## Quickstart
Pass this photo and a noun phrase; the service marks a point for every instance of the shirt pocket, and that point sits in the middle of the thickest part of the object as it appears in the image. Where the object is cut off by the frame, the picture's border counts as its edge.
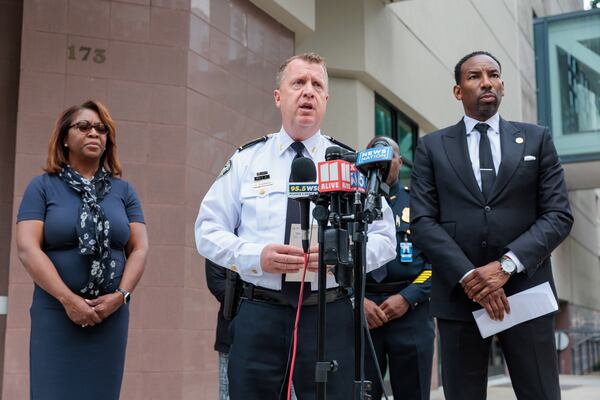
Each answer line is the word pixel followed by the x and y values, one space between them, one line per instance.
pixel 264 207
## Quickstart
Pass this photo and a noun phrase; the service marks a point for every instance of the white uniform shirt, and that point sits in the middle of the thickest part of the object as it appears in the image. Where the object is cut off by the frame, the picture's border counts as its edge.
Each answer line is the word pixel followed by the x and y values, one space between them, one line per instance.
pixel 257 209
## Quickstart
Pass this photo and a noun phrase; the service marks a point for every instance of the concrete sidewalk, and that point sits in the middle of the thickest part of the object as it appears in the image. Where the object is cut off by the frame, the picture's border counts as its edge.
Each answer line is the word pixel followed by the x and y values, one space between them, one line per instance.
pixel 573 387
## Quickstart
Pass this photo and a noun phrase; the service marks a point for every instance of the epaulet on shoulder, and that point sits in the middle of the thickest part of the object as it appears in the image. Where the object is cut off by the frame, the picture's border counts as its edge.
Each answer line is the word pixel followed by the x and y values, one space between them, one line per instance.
pixel 254 141
pixel 345 146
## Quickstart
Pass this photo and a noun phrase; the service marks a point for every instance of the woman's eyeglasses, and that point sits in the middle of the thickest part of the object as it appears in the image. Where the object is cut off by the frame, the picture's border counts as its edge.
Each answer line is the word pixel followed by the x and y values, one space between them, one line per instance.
pixel 86 126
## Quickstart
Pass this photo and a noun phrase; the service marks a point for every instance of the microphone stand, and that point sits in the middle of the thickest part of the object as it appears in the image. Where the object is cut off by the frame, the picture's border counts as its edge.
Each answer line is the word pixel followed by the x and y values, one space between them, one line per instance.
pixel 323 367
pixel 358 218
pixel 359 238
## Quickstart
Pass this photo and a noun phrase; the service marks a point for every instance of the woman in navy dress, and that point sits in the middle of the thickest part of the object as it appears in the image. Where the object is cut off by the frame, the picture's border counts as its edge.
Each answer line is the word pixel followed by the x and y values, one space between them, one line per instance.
pixel 82 238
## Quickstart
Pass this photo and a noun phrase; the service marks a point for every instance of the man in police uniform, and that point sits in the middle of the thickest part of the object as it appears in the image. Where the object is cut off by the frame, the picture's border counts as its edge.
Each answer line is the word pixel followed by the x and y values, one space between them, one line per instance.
pixel 249 197
pixel 397 307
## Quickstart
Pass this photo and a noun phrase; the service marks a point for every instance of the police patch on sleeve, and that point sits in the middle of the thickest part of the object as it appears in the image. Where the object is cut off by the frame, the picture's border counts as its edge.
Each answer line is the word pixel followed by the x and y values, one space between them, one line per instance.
pixel 225 169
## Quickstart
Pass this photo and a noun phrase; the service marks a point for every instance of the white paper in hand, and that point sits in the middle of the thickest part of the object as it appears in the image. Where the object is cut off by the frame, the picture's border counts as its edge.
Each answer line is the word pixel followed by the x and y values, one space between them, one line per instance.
pixel 524 306
pixel 296 240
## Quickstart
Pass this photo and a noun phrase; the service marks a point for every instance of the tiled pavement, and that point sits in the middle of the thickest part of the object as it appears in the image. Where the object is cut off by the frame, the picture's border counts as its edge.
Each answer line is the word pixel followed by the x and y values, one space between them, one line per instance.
pixel 574 387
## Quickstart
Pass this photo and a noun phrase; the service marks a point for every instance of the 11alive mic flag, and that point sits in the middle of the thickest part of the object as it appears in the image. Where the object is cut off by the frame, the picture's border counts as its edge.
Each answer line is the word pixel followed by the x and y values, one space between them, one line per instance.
pixel 334 176
pixel 340 176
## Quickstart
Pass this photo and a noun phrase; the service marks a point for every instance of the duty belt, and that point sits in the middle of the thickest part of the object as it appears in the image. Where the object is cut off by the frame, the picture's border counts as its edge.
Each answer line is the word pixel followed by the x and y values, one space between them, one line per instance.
pixel 392 287
pixel 256 293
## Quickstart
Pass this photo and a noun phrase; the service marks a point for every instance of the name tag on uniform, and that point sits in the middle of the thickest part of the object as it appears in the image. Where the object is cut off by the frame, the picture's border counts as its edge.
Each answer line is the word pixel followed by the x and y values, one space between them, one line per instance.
pixel 262 179
pixel 406 252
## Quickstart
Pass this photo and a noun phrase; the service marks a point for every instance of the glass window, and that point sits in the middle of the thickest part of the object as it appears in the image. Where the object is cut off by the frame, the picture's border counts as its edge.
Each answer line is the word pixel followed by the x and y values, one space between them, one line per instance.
pixel 568 69
pixel 391 122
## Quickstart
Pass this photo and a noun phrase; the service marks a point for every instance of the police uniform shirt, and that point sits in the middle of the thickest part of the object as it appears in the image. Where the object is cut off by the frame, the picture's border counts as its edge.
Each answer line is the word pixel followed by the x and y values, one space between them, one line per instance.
pixel 251 195
pixel 418 271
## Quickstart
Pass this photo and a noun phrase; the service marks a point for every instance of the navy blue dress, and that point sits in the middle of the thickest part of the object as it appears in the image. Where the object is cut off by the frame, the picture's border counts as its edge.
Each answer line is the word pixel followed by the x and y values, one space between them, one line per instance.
pixel 66 360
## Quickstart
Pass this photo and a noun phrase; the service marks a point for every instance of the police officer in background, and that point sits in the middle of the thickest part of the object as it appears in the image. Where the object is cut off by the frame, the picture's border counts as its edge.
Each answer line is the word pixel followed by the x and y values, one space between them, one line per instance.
pixel 397 307
pixel 244 224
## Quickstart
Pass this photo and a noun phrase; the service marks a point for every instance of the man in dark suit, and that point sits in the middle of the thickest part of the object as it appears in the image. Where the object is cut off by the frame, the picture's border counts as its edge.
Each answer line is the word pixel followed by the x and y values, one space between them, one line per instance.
pixel 489 204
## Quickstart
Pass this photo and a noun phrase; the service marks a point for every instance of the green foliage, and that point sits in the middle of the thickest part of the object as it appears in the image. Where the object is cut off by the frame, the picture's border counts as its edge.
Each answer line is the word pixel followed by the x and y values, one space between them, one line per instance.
pixel 595 3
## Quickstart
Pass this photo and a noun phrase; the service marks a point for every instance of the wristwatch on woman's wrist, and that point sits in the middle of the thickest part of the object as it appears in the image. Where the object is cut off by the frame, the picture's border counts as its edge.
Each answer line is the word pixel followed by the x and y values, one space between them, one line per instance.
pixel 126 295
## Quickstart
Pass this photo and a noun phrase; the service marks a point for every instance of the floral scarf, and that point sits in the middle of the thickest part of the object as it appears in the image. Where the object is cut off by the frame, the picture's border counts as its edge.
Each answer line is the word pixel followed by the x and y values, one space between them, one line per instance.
pixel 93 228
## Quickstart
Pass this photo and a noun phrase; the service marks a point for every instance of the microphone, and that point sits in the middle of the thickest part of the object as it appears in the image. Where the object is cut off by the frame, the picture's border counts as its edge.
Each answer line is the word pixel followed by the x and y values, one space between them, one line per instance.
pixel 334 173
pixel 335 153
pixel 376 157
pixel 301 187
pixel 357 180
pixel 334 180
pixel 375 163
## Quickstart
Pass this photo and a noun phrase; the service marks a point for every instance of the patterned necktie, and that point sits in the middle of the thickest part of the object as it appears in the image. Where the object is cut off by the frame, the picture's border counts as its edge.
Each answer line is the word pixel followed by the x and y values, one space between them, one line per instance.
pixel 486 162
pixel 291 290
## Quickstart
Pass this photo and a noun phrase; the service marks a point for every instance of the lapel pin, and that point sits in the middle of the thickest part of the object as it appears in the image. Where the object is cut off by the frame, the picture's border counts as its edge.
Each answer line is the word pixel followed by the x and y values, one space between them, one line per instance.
pixel 519 140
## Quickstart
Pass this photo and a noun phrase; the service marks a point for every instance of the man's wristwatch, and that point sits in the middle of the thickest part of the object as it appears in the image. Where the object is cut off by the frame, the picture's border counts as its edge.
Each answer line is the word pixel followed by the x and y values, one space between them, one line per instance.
pixel 508 265
pixel 126 295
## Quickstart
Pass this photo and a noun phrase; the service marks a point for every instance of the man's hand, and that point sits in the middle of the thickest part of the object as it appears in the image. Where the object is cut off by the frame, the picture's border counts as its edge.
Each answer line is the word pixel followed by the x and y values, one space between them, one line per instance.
pixel 284 259
pixel 484 280
pixel 374 314
pixel 106 304
pixel 395 306
pixel 313 260
pixel 496 304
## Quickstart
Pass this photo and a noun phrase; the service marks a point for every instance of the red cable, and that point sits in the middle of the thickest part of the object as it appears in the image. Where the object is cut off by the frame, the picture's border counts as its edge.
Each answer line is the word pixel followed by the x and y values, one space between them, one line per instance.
pixel 295 342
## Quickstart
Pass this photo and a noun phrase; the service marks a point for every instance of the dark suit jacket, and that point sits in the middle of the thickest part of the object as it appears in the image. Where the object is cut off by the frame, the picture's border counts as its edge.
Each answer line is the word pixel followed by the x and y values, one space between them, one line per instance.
pixel 528 211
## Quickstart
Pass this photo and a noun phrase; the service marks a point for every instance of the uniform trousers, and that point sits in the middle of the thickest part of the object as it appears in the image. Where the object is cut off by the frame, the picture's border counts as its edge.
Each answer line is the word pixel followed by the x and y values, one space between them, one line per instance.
pixel 529 349
pixel 406 345
pixel 260 351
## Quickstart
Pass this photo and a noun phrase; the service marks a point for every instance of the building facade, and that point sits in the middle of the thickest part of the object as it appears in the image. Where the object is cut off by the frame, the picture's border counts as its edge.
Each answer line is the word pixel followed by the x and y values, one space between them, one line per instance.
pixel 188 81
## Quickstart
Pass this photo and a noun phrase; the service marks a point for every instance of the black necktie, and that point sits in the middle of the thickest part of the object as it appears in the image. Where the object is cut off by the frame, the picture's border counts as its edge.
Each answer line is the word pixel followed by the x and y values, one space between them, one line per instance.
pixel 486 162
pixel 293 209
pixel 291 290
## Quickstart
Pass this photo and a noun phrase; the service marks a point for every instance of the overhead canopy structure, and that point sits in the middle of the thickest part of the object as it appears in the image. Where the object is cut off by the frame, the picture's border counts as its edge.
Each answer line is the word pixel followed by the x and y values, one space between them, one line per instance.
pixel 568 76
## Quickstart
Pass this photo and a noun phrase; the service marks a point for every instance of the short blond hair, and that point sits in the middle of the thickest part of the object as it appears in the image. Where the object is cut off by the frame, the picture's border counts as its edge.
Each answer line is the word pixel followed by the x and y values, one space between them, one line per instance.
pixel 312 58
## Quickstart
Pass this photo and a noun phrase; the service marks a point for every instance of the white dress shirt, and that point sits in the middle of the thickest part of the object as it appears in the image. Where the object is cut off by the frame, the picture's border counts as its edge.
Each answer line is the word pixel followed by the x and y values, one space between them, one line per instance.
pixel 473 137
pixel 257 209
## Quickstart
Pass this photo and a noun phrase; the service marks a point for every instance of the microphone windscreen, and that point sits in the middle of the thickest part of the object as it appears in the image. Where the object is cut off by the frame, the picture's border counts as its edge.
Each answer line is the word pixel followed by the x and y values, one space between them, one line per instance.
pixel 334 153
pixel 350 157
pixel 303 170
pixel 379 142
